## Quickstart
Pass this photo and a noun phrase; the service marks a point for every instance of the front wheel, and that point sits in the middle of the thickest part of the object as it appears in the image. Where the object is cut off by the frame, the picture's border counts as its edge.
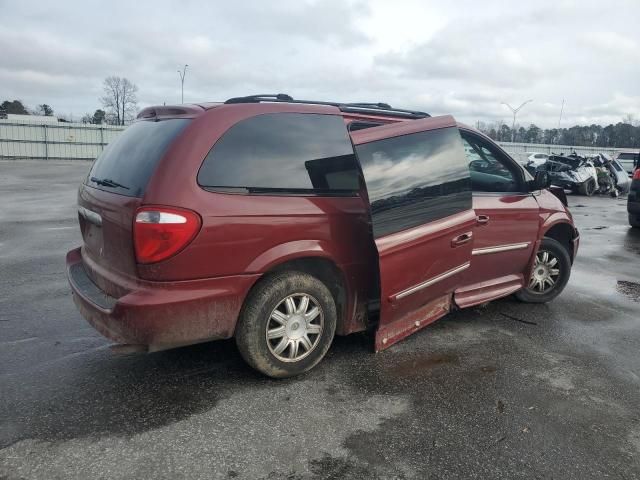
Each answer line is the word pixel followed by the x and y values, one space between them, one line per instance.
pixel 287 324
pixel 550 274
pixel 589 187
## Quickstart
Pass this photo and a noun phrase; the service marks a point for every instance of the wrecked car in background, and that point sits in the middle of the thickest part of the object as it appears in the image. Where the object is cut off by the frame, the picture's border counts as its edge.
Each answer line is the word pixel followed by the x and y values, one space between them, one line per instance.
pixel 584 175
pixel 612 177
pixel 570 172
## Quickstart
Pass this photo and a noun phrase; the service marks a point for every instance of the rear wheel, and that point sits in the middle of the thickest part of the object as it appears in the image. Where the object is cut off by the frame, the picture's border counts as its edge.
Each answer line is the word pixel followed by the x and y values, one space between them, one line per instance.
pixel 287 324
pixel 634 220
pixel 550 273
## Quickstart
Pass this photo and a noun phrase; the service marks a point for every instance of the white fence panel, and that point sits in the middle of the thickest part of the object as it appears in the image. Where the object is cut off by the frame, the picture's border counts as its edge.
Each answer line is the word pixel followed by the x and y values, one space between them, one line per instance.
pixel 47 141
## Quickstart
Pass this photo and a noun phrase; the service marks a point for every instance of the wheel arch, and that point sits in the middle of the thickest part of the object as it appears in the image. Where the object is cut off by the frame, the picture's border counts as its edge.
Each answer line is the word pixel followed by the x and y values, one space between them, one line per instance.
pixel 326 270
pixel 562 232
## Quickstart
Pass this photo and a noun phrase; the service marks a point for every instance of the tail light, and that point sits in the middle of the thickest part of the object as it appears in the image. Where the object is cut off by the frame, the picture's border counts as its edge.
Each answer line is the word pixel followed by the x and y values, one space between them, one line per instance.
pixel 636 174
pixel 160 232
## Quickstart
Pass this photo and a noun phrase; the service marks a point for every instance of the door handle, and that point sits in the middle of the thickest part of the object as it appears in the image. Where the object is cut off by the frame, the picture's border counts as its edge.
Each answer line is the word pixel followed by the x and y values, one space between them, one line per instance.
pixel 482 219
pixel 461 239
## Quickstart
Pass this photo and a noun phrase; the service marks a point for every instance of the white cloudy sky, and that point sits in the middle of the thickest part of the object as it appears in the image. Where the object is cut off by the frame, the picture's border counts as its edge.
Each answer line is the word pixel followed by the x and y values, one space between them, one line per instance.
pixel 461 57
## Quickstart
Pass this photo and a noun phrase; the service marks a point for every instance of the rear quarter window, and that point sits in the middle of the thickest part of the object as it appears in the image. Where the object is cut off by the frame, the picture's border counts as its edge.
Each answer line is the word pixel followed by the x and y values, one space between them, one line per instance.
pixel 286 153
pixel 415 179
pixel 126 165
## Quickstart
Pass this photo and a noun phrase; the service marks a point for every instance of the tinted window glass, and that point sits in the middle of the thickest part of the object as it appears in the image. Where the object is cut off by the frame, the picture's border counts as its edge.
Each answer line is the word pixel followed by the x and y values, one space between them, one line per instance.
pixel 128 162
pixel 358 125
pixel 415 179
pixel 489 173
pixel 286 152
pixel 628 156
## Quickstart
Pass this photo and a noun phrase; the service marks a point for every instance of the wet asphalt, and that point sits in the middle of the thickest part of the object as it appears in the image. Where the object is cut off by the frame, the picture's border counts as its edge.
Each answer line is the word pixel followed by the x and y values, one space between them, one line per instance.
pixel 506 390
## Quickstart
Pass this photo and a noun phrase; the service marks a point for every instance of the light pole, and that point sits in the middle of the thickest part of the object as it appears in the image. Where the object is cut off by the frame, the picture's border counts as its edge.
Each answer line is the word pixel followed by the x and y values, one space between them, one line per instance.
pixel 182 75
pixel 515 112
pixel 561 110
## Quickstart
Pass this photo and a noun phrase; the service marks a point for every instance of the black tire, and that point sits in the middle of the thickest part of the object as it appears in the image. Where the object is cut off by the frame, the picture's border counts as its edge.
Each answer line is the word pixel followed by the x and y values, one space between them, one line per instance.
pixel 634 220
pixel 531 294
pixel 589 187
pixel 256 318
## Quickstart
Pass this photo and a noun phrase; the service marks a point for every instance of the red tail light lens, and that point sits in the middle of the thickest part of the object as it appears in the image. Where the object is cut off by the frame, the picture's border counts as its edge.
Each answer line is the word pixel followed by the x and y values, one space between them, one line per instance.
pixel 636 174
pixel 160 232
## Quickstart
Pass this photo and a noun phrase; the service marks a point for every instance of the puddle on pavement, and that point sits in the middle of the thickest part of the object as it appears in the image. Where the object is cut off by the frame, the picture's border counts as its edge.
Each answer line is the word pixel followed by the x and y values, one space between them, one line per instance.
pixel 419 363
pixel 629 289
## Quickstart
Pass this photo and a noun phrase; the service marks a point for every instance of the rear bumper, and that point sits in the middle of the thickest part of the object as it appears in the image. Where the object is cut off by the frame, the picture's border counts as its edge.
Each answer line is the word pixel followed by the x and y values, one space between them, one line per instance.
pixel 161 315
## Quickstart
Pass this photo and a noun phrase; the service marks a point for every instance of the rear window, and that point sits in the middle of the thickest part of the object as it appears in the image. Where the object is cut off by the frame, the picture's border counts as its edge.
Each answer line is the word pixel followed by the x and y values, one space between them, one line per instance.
pixel 283 153
pixel 415 179
pixel 128 162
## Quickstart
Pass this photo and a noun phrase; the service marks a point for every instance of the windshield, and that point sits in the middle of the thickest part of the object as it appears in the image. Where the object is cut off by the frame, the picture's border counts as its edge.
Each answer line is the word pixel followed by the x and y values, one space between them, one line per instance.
pixel 128 162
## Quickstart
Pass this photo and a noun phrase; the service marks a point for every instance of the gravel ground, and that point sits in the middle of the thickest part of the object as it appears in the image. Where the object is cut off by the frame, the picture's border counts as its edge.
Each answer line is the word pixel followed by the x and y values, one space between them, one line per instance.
pixel 507 390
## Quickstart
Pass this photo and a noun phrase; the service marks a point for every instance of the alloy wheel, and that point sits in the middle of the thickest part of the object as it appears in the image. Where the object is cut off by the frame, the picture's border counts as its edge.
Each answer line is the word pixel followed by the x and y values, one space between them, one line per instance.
pixel 545 272
pixel 294 327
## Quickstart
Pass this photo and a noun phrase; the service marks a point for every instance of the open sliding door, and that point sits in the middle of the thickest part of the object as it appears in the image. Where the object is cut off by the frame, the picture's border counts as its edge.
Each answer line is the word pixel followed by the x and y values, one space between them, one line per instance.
pixel 417 181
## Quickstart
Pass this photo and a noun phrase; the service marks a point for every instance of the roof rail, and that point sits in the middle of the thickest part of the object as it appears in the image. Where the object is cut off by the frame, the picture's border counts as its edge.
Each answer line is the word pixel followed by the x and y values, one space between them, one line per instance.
pixel 276 97
pixel 379 108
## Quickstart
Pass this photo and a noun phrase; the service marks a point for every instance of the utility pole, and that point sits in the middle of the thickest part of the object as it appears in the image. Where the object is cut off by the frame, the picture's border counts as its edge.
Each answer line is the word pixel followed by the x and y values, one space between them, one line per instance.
pixel 515 112
pixel 561 110
pixel 182 75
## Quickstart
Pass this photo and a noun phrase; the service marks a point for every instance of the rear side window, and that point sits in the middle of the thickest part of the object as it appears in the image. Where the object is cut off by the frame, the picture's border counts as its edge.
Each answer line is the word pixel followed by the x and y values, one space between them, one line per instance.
pixel 627 156
pixel 284 153
pixel 128 162
pixel 414 179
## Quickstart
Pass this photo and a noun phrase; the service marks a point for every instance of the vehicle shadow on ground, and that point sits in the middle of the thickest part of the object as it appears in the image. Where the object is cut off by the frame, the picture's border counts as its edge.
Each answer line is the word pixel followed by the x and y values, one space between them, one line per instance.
pixel 124 395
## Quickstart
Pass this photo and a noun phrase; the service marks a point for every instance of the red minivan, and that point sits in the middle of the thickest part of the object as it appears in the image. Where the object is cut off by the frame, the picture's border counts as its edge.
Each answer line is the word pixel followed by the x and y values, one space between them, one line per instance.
pixel 283 222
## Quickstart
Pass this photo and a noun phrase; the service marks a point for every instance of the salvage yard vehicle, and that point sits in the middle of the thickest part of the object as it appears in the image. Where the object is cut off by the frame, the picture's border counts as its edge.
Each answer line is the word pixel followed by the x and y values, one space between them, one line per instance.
pixel 537 158
pixel 612 177
pixel 633 200
pixel 283 222
pixel 570 172
pixel 629 160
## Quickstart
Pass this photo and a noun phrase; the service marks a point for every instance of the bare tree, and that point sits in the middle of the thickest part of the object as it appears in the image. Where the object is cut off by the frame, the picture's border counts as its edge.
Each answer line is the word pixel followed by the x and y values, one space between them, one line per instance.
pixel 119 98
pixel 45 110
pixel 630 119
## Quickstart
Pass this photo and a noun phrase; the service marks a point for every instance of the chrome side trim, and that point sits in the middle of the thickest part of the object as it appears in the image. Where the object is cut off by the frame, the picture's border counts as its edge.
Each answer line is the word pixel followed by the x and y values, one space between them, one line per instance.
pixel 90 216
pixel 500 248
pixel 430 282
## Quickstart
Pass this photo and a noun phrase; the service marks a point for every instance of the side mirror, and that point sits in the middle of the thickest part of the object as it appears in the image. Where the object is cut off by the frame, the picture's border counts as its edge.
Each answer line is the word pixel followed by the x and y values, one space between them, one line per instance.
pixel 541 180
